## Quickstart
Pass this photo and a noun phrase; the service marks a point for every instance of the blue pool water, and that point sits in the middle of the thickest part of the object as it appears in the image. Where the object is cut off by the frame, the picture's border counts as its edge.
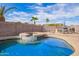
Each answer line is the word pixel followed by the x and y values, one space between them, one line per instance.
pixel 47 47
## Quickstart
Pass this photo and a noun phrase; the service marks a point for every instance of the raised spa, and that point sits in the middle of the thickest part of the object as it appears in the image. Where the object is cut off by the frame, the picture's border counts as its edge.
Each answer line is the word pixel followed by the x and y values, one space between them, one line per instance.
pixel 44 47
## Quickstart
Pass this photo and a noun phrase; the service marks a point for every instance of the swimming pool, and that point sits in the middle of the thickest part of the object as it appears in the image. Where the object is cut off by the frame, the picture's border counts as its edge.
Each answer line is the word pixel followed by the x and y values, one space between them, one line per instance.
pixel 48 47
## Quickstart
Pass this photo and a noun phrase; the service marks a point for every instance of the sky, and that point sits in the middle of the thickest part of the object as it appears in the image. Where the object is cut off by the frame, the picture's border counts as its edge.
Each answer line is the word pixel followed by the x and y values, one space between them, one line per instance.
pixel 55 12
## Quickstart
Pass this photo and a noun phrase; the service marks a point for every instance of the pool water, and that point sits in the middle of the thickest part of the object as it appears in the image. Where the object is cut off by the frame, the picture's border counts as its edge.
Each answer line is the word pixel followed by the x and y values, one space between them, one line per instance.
pixel 48 47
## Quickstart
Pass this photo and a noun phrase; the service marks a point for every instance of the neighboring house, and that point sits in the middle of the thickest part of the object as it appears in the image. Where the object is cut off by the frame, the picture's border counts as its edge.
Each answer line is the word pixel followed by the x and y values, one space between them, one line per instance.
pixel 52 27
pixel 68 29
pixel 63 30
pixel 76 27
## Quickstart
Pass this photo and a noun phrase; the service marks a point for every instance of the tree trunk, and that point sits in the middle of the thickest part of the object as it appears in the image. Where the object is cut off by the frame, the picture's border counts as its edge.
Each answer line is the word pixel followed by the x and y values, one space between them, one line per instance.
pixel 34 22
pixel 2 19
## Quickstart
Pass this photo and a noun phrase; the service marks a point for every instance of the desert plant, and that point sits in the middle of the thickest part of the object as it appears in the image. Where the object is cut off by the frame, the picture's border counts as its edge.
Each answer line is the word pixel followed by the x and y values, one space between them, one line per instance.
pixel 47 20
pixel 34 19
pixel 3 11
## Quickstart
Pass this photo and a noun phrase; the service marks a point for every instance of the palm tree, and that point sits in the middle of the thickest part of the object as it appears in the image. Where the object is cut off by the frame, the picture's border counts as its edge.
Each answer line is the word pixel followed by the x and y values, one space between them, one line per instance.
pixel 47 20
pixel 34 19
pixel 3 11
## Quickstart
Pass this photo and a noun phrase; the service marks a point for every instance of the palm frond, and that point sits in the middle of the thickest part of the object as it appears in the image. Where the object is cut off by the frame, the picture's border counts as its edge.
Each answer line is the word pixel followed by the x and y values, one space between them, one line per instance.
pixel 9 9
pixel 3 9
pixel 34 18
pixel 0 11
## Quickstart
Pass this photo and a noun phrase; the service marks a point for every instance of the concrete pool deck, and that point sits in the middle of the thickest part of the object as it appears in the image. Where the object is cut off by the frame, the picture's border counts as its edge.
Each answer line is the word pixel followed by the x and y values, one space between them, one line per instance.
pixel 72 39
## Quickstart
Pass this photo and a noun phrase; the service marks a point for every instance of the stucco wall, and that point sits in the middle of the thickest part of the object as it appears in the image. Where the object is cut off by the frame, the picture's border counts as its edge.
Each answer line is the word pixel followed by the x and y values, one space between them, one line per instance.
pixel 10 28
pixel 7 29
pixel 51 28
pixel 13 28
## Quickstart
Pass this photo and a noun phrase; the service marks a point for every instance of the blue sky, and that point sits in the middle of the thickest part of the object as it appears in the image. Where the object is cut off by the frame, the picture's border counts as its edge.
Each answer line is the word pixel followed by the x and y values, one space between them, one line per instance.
pixel 56 12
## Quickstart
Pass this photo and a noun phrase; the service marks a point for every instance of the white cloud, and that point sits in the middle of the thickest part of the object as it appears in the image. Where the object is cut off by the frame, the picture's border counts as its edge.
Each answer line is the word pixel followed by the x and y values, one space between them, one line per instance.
pixel 39 4
pixel 53 12
pixel 18 17
pixel 57 11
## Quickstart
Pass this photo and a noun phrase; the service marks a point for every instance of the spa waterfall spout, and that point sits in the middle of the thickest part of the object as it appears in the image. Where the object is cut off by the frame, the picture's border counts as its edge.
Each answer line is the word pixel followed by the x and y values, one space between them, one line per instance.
pixel 26 38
